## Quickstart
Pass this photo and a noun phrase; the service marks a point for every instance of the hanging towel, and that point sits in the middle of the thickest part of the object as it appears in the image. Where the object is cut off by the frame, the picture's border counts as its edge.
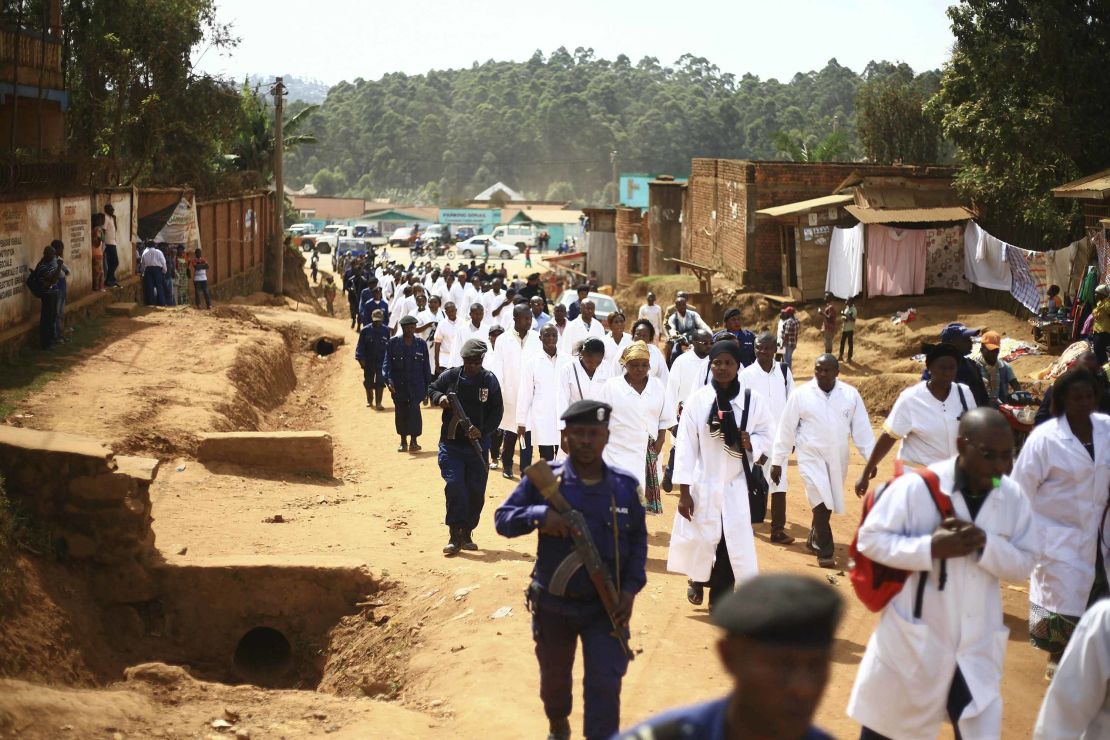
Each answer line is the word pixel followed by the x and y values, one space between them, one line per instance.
pixel 944 259
pixel 895 261
pixel 985 259
pixel 1060 263
pixel 845 276
pixel 1028 270
pixel 1103 253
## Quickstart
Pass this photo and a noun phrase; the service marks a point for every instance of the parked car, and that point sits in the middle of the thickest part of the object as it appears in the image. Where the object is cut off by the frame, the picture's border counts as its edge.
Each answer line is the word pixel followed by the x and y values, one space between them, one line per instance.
pixel 465 232
pixel 604 304
pixel 401 237
pixel 521 235
pixel 305 228
pixel 480 246
pixel 436 231
pixel 352 247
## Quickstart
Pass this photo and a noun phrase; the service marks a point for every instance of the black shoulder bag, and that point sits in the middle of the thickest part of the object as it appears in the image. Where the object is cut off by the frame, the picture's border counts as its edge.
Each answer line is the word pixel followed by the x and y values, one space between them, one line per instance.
pixel 757 482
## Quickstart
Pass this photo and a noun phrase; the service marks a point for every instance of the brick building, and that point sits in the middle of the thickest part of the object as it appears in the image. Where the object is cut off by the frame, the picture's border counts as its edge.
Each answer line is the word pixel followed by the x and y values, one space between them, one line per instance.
pixel 720 228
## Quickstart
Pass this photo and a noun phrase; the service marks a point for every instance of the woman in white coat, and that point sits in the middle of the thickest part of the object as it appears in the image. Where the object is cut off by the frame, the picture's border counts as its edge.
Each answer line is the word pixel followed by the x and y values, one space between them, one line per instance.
pixel 643 331
pixel 537 406
pixel 925 417
pixel 616 340
pixel 582 376
pixel 712 540
pixel 638 423
pixel 1064 469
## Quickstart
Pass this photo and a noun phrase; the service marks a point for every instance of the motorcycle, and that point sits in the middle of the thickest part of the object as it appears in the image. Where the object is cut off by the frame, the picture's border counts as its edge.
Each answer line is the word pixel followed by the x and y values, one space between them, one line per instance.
pixel 1021 412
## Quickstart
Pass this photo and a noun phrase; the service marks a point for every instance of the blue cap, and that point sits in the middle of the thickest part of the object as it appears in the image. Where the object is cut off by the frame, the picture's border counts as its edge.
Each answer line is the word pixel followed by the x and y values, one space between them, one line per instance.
pixel 955 330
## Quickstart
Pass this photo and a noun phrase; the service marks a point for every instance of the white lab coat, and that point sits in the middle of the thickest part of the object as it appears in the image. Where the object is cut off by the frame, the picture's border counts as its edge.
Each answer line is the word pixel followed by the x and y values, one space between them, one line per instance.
pixel 574 384
pixel 466 330
pixel 658 365
pixel 1077 705
pixel 613 350
pixel 445 338
pixel 688 373
pixel 1068 492
pixel 509 357
pixel 718 487
pixel 636 418
pixel 537 406
pixel 576 332
pixel 818 426
pixel 903 681
pixel 775 388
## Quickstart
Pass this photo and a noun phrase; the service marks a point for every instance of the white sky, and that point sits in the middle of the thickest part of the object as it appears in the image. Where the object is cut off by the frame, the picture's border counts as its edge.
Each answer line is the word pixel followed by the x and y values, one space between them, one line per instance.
pixel 333 40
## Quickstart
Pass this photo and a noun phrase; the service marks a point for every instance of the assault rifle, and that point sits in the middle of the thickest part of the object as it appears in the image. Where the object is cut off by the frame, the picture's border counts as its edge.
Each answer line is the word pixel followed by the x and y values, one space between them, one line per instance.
pixel 461 419
pixel 544 480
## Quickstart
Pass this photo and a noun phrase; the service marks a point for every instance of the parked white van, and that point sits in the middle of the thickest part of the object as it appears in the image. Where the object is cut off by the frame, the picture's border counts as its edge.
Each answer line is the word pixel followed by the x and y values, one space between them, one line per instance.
pixel 520 235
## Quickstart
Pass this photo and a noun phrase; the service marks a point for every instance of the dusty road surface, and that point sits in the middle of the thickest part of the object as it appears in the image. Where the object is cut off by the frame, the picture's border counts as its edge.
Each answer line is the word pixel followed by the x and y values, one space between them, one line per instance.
pixel 459 662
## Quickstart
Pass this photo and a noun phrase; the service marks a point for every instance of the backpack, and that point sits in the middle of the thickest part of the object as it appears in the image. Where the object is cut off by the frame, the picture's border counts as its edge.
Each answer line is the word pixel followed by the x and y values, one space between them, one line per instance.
pixel 35 283
pixel 876 584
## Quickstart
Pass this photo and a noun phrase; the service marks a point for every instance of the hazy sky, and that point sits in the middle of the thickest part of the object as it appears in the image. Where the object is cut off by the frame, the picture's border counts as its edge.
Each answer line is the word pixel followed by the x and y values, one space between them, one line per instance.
pixel 333 40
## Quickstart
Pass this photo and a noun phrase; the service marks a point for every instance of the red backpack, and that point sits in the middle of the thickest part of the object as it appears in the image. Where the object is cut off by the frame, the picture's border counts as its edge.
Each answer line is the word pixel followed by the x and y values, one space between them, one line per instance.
pixel 876 584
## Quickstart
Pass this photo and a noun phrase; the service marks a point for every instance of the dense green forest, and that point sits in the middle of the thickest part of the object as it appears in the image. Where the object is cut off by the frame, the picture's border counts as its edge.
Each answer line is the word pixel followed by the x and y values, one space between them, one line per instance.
pixel 547 126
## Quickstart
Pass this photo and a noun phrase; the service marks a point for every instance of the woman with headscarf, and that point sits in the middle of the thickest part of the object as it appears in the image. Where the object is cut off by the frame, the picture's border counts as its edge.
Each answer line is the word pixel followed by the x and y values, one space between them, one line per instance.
pixel 712 541
pixel 1064 469
pixel 925 417
pixel 638 423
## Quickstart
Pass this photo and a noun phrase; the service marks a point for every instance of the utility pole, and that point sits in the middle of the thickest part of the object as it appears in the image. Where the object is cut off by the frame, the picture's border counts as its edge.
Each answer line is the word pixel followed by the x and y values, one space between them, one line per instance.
pixel 616 182
pixel 277 248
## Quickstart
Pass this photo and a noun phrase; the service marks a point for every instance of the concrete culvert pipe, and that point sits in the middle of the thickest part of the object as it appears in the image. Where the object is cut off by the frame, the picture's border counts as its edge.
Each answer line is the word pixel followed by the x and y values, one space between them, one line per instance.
pixel 263 656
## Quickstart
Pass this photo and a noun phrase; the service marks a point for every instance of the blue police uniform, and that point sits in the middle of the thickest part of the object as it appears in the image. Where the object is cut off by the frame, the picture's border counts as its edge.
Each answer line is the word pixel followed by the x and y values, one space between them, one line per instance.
pixel 405 367
pixel 464 471
pixel 701 722
pixel 558 622
pixel 352 293
pixel 746 339
pixel 367 306
pixel 370 352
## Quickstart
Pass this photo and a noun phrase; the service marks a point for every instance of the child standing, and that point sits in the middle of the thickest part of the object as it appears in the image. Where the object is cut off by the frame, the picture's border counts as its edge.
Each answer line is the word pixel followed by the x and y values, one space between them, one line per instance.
pixel 200 279
pixel 848 329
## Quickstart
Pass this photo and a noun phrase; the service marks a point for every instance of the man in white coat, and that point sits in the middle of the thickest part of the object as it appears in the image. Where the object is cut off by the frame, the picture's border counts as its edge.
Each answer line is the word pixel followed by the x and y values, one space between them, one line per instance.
pixel 513 350
pixel 581 328
pixel 537 407
pixel 689 372
pixel 444 338
pixel 712 540
pixel 774 383
pixel 818 421
pixel 941 641
pixel 474 328
pixel 1077 705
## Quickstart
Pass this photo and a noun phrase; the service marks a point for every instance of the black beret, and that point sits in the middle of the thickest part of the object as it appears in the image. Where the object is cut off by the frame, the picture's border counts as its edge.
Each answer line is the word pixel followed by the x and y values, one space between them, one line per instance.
pixel 781 609
pixel 587 412
pixel 732 312
pixel 408 321
pixel 473 349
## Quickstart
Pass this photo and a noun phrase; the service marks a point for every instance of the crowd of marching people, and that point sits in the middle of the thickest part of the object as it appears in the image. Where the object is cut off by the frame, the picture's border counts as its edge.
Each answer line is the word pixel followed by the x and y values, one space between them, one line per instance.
pixel 519 379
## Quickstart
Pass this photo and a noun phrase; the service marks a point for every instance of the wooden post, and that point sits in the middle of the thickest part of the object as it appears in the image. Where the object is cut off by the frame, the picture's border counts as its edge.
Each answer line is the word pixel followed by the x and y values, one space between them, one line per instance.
pixel 276 271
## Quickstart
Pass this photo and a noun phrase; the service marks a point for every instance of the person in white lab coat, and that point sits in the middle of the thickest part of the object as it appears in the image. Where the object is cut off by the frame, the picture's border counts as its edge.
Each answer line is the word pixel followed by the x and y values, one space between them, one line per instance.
pixel 581 377
pixel 940 643
pixel 511 352
pixel 643 331
pixel 1077 705
pixel 639 422
pixel 580 329
pixel 537 406
pixel 444 337
pixel 689 372
pixel 818 421
pixel 1064 469
pixel 925 416
pixel 712 541
pixel 475 328
pixel 773 381
pixel 616 339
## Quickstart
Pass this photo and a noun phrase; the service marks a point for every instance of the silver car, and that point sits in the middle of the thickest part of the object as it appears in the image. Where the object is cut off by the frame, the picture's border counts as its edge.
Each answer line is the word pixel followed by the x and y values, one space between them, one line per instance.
pixel 483 245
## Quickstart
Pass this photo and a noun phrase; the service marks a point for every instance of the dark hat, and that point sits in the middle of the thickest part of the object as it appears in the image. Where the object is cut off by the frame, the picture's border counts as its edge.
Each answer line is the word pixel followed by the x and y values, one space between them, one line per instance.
pixel 732 312
pixel 408 321
pixel 934 352
pixel 781 609
pixel 588 413
pixel 726 348
pixel 496 329
pixel 955 330
pixel 473 349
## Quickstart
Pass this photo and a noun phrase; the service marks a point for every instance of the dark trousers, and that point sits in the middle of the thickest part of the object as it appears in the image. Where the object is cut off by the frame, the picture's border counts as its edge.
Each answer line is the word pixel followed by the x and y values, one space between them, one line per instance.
pixel 168 297
pixel 464 474
pixel 372 376
pixel 508 447
pixel 406 414
pixel 778 512
pixel 200 287
pixel 48 319
pixel 152 286
pixel 850 338
pixel 353 304
pixel 959 696
pixel 111 263
pixel 557 626
pixel 59 316
pixel 547 452
pixel 1101 341
pixel 820 532
pixel 721 578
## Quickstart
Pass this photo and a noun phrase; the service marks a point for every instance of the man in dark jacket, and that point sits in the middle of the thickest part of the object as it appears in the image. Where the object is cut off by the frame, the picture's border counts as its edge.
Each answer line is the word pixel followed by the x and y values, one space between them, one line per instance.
pixel 407 374
pixel 373 341
pixel 46 274
pixel 462 447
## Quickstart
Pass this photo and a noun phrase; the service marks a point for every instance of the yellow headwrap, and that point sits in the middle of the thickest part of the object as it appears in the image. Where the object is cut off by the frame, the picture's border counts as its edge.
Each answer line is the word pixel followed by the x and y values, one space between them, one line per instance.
pixel 636 351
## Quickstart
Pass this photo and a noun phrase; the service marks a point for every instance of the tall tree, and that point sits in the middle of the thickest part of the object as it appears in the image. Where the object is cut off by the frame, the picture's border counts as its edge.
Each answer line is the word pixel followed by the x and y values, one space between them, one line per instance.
pixel 891 121
pixel 1026 99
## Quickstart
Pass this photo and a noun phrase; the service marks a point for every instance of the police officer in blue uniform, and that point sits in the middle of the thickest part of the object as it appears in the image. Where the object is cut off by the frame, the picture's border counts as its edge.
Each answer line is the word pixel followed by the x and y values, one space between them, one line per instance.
pixel 564 602
pixel 407 375
pixel 779 632
pixel 373 341
pixel 464 470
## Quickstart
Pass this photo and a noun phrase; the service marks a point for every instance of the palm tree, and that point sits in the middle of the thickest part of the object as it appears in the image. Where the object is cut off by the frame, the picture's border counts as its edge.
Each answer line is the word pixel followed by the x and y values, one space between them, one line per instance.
pixel 253 149
pixel 833 148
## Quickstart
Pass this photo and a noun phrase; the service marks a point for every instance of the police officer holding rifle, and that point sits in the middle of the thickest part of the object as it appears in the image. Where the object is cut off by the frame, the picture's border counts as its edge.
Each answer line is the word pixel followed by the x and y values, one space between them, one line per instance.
pixel 590 564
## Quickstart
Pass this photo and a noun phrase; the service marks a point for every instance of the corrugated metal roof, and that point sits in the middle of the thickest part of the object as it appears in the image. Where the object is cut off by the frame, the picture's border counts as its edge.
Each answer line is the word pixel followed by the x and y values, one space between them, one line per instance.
pixel 552 215
pixel 806 205
pixel 1094 187
pixel 909 215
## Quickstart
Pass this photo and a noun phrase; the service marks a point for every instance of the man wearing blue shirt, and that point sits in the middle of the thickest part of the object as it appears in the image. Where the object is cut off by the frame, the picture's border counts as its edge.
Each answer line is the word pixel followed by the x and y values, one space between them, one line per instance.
pixel 777 646
pixel 565 604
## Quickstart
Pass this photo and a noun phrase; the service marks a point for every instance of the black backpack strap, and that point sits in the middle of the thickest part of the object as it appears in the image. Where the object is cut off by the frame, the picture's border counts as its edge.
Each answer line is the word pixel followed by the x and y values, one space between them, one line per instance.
pixel 785 380
pixel 744 428
pixel 963 401
pixel 577 382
